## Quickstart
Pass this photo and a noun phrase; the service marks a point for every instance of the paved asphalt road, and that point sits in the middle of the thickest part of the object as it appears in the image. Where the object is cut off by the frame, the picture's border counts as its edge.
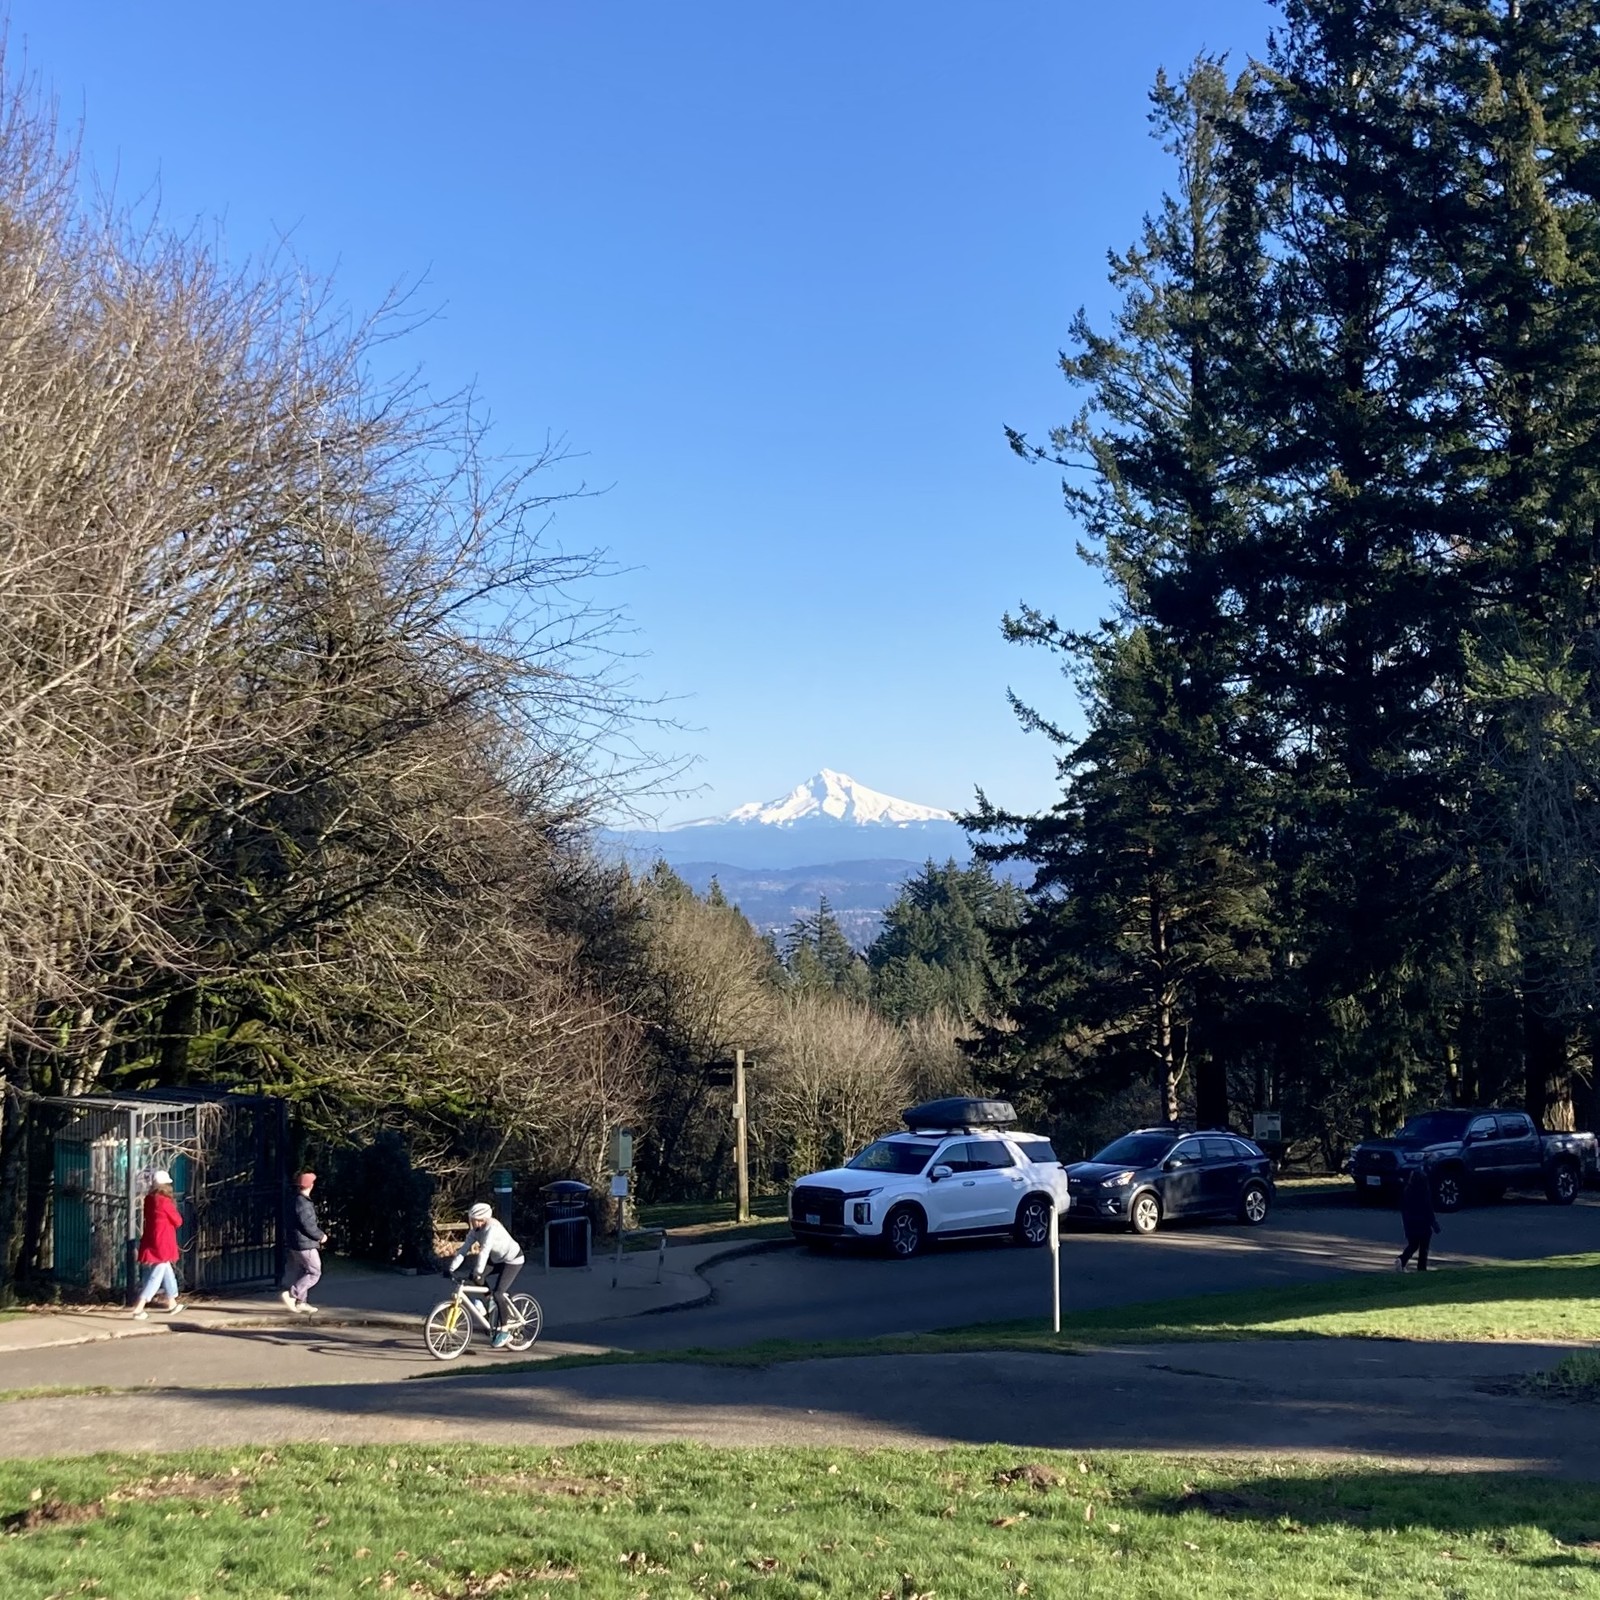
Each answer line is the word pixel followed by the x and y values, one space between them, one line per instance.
pixel 793 1294
pixel 798 1295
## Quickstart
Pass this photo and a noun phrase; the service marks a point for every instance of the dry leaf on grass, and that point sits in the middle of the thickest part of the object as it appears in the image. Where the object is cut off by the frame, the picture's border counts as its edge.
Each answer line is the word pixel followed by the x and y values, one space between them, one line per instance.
pixel 1031 1473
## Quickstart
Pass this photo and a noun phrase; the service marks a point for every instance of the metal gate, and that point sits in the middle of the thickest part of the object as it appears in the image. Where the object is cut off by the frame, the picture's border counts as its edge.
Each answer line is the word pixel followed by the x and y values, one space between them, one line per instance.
pixel 237 1231
pixel 227 1155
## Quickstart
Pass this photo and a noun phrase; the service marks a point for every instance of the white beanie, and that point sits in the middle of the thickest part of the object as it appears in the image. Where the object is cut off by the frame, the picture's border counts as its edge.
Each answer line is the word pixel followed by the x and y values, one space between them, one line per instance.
pixel 161 1177
pixel 481 1212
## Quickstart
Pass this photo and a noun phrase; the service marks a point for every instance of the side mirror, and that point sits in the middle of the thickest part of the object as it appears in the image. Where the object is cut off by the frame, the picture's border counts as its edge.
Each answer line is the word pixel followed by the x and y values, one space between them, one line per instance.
pixel 1174 1163
pixel 940 1171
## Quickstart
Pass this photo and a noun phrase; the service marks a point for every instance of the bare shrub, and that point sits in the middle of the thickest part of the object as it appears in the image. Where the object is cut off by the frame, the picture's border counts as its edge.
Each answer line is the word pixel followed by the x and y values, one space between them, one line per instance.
pixel 935 1062
pixel 835 1076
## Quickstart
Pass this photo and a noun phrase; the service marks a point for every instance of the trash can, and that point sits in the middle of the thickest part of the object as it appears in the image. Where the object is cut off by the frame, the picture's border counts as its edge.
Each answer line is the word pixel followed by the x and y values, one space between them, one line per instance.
pixel 567 1226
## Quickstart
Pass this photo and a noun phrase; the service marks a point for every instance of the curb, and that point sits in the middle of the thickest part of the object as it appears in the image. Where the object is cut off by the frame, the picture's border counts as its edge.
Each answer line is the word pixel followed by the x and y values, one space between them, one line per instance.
pixel 751 1247
pixel 322 1319
pixel 1339 1200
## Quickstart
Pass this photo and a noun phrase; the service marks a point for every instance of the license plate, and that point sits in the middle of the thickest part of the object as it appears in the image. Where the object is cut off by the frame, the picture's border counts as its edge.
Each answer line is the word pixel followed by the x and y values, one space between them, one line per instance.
pixel 813 1220
pixel 1374 1180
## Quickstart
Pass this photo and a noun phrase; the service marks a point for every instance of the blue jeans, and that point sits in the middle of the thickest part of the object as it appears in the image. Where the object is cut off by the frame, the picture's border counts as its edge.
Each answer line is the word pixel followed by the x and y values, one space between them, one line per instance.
pixel 160 1279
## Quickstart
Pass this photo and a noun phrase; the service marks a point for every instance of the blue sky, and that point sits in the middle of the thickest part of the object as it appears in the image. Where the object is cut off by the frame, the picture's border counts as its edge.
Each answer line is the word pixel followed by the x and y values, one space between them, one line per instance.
pixel 780 272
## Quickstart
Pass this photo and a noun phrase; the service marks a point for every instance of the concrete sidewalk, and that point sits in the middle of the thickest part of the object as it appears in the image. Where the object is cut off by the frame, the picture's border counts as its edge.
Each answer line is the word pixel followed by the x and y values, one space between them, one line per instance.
pixel 354 1295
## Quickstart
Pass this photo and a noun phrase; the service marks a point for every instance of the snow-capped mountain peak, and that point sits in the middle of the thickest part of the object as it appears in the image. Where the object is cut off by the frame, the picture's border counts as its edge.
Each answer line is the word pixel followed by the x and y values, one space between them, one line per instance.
pixel 832 796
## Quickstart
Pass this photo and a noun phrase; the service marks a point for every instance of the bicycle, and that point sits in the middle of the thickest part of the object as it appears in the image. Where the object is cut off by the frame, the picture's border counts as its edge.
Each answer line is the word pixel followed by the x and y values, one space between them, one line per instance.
pixel 448 1330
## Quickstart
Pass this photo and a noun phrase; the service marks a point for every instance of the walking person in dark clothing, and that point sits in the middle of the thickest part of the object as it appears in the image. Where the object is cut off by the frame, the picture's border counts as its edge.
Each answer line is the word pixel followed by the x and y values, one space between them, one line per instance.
pixel 305 1240
pixel 1416 1213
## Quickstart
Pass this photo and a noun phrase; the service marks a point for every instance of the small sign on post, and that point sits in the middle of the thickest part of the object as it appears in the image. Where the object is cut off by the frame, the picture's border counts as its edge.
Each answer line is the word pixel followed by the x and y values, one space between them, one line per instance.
pixel 619 1186
pixel 1267 1125
pixel 621 1151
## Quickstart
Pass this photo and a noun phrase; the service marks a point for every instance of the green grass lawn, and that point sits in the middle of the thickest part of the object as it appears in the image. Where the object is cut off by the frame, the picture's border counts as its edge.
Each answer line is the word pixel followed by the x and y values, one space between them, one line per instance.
pixel 678 1522
pixel 712 1221
pixel 1557 1298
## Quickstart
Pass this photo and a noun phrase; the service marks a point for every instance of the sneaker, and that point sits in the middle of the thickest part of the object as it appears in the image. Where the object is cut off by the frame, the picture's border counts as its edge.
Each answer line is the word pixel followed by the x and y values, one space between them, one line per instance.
pixel 140 1315
pixel 176 1306
pixel 289 1300
pixel 1399 1263
pixel 306 1308
pixel 500 1341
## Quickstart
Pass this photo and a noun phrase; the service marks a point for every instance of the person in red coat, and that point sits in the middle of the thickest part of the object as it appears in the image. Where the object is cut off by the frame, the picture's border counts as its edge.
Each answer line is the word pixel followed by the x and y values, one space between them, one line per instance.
pixel 158 1246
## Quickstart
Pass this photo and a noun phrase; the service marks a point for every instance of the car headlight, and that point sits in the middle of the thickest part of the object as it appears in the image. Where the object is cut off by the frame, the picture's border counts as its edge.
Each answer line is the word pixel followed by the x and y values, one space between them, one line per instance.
pixel 1117 1180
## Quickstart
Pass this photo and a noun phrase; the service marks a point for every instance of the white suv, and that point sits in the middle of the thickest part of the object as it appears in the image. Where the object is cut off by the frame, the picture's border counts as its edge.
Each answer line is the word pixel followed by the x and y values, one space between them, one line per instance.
pixel 960 1170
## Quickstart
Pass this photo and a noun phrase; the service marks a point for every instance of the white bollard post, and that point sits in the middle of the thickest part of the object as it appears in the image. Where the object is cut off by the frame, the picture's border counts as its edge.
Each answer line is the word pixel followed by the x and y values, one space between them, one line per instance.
pixel 1055 1270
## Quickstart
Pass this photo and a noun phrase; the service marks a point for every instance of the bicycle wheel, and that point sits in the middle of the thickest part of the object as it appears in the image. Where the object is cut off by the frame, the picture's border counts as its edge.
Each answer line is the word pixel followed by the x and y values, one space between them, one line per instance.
pixel 448 1330
pixel 529 1321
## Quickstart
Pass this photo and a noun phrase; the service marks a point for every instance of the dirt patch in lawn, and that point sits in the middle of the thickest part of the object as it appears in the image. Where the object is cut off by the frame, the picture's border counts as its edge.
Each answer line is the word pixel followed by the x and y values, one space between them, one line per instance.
pixel 43 1513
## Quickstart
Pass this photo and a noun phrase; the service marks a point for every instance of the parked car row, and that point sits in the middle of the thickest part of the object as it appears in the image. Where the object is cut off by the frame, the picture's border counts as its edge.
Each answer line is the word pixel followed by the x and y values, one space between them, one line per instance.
pixel 961 1170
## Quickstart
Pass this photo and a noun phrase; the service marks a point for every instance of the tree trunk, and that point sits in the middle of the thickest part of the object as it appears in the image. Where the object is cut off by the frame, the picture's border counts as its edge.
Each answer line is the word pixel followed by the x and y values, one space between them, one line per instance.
pixel 1211 1092
pixel 1547 1072
pixel 178 1017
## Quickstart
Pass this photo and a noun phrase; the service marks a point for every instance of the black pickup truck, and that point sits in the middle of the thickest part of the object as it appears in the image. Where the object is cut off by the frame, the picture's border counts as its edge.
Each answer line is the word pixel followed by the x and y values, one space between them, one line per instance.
pixel 1475 1154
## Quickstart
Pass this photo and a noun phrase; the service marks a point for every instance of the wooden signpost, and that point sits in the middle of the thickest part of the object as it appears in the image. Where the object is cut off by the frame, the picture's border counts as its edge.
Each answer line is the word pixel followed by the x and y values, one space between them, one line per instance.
pixel 725 1075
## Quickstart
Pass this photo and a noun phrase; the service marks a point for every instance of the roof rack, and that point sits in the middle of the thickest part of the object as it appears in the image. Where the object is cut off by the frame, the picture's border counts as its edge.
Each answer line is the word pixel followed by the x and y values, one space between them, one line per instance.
pixel 959 1114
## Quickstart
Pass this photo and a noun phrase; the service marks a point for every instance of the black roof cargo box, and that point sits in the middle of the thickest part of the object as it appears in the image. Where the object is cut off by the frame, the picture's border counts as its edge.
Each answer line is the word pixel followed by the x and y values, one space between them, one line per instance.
pixel 960 1112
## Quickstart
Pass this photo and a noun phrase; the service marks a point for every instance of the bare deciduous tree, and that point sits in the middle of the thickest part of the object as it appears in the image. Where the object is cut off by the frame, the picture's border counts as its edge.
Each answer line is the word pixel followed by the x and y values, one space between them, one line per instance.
pixel 835 1075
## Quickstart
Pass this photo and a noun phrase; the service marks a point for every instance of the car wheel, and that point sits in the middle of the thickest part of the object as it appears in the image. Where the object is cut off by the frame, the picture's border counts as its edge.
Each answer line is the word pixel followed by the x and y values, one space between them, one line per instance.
pixel 904 1233
pixel 1563 1186
pixel 1033 1222
pixel 1145 1214
pixel 1448 1192
pixel 1254 1206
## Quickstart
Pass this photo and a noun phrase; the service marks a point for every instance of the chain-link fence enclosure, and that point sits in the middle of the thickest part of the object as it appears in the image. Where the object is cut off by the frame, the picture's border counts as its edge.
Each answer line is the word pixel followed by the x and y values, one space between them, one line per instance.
pixel 228 1156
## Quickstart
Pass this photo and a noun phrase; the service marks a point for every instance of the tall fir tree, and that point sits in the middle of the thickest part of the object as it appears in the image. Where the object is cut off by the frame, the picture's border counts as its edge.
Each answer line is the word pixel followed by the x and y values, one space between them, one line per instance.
pixel 935 951
pixel 1518 81
pixel 1145 914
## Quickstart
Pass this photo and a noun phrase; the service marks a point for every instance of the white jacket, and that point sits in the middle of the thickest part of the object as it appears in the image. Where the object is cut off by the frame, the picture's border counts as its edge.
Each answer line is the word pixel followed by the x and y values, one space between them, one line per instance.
pixel 489 1245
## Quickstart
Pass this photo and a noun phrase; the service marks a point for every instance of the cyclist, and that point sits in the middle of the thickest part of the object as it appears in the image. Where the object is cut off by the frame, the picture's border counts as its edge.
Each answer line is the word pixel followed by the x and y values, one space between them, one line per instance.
pixel 491 1249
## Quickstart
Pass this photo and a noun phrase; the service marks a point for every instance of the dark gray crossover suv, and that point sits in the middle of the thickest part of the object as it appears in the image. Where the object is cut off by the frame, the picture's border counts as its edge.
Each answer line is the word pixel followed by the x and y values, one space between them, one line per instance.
pixel 1153 1175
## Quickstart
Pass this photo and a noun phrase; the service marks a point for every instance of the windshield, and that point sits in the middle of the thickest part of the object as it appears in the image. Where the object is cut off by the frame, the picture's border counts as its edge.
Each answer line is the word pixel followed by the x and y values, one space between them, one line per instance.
pixel 1433 1126
pixel 1137 1149
pixel 889 1155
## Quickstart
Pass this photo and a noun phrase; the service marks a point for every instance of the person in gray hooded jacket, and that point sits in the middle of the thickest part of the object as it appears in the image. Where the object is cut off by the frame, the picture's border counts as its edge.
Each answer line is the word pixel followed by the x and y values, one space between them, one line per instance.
pixel 305 1239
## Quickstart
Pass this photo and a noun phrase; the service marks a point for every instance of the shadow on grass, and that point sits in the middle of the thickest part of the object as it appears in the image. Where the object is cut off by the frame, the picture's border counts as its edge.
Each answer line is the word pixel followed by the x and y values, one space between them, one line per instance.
pixel 1493 1506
